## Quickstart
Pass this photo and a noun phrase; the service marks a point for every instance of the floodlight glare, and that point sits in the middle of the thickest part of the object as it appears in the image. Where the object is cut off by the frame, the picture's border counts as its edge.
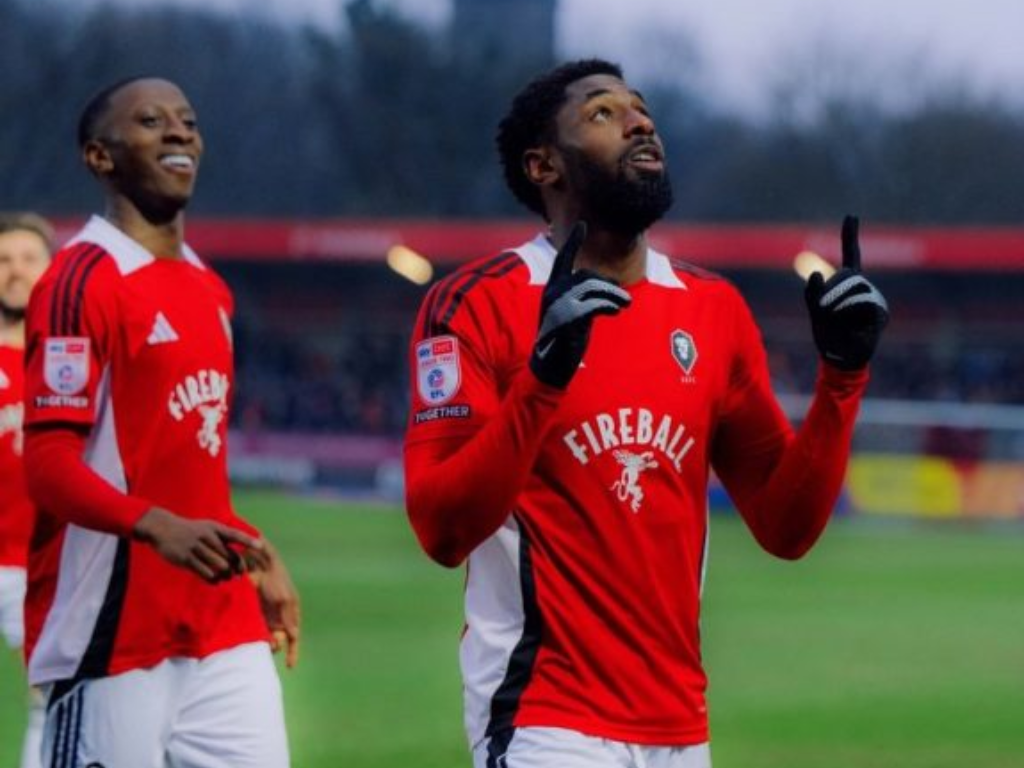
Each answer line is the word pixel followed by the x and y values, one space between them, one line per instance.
pixel 409 264
pixel 807 263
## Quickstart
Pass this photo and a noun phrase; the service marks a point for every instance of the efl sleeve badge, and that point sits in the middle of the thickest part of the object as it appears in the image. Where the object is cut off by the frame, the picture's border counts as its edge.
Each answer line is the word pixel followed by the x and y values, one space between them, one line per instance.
pixel 66 364
pixel 438 371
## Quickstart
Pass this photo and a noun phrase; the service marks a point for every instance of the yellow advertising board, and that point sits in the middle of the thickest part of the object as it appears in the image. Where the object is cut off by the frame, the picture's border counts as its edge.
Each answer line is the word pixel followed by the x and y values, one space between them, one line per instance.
pixel 923 486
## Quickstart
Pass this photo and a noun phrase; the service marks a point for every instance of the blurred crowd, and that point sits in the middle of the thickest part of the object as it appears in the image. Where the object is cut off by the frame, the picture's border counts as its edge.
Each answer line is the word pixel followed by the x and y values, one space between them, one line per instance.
pixel 324 349
pixel 993 374
pixel 360 386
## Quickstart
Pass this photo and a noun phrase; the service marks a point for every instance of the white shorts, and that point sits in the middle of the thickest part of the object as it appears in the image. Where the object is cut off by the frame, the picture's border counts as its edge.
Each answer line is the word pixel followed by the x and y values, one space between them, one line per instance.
pixel 224 711
pixel 562 748
pixel 12 605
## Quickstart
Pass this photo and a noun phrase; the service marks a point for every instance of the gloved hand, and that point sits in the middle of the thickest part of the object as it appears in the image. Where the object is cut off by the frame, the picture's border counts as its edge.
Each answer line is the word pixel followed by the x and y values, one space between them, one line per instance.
pixel 848 314
pixel 569 304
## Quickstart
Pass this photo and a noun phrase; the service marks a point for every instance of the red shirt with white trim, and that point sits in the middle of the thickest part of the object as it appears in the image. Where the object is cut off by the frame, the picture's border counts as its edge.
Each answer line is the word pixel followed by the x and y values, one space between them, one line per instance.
pixel 15 507
pixel 583 513
pixel 135 350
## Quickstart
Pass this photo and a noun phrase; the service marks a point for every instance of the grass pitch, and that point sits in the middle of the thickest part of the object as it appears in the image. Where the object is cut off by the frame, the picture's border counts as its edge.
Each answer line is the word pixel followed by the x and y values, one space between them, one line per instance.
pixel 887 647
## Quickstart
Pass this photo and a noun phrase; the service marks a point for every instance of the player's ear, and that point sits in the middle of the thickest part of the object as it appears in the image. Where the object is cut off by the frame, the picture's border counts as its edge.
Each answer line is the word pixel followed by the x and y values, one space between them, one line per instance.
pixel 97 158
pixel 541 166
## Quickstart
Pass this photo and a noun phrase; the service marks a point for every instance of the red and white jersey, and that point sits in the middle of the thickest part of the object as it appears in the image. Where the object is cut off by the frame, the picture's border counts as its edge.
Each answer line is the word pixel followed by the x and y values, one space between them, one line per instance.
pixel 15 508
pixel 582 610
pixel 137 350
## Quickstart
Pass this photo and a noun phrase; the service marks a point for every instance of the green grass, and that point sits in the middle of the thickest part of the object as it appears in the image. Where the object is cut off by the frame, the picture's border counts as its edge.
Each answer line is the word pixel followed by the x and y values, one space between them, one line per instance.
pixel 884 648
pixel 888 647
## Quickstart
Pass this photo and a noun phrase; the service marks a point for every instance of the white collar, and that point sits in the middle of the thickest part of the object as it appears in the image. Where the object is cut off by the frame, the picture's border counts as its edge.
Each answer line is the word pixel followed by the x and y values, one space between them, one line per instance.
pixel 539 255
pixel 127 253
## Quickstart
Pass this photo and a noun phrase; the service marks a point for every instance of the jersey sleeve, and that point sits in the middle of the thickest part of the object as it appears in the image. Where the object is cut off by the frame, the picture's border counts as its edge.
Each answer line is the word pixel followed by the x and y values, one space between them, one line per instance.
pixel 784 484
pixel 70 327
pixel 452 364
pixel 471 440
pixel 63 485
pixel 68 339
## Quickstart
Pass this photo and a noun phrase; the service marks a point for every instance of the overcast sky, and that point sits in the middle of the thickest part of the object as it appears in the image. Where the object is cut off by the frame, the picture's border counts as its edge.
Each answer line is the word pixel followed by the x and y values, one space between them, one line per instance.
pixel 744 43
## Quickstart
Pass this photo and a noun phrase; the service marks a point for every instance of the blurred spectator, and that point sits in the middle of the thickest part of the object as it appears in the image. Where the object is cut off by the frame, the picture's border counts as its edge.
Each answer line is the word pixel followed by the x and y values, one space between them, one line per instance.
pixel 334 363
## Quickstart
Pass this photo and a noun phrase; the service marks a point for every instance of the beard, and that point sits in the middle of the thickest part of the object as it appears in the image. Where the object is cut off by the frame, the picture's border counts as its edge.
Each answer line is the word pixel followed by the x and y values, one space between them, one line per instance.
pixel 11 314
pixel 625 202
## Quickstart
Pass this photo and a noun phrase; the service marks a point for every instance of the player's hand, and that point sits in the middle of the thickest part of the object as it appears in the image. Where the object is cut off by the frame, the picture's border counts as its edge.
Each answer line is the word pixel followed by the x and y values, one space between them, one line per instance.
pixel 848 314
pixel 279 600
pixel 569 304
pixel 204 547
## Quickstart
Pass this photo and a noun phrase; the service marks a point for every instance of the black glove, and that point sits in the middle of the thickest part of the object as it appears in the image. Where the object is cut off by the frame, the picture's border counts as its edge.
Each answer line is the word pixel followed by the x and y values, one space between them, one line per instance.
pixel 568 306
pixel 848 314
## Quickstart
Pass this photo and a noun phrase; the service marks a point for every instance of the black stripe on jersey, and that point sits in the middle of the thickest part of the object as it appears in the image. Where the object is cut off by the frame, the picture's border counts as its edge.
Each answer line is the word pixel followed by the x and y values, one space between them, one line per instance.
pixel 69 269
pixel 96 660
pixel 501 267
pixel 505 702
pixel 438 296
pixel 69 282
pixel 497 748
pixel 60 689
pixel 66 269
pixel 445 288
pixel 449 297
pixel 76 319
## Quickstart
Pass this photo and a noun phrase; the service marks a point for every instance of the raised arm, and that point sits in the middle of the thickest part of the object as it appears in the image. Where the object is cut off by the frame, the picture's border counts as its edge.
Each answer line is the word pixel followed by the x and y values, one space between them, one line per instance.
pixel 786 485
pixel 463 474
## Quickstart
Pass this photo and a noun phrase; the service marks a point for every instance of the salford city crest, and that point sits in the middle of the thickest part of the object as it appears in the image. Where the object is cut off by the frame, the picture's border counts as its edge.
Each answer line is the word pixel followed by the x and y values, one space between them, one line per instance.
pixel 684 350
pixel 66 364
pixel 438 373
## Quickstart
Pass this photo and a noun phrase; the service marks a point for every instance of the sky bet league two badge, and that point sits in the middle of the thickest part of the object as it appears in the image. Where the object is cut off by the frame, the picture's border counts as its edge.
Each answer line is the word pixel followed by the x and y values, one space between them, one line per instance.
pixel 438 373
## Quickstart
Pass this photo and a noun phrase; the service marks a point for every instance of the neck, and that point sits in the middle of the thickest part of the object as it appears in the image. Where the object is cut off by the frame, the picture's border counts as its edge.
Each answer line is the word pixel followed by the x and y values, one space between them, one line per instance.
pixel 622 258
pixel 161 236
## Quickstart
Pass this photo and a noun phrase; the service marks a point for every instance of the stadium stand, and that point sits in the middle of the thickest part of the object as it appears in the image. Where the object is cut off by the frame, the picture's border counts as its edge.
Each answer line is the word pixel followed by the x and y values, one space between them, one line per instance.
pixel 322 330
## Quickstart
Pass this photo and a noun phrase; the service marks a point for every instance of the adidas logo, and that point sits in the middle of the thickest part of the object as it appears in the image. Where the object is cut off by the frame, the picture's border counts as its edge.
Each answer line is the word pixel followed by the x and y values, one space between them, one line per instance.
pixel 162 332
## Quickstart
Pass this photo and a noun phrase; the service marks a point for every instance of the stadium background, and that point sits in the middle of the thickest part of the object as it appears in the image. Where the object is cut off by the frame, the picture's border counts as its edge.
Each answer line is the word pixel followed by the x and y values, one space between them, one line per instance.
pixel 898 642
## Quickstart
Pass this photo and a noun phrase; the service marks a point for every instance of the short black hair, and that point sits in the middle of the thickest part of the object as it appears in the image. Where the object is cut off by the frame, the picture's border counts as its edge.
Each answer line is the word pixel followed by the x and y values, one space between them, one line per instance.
pixel 96 108
pixel 531 120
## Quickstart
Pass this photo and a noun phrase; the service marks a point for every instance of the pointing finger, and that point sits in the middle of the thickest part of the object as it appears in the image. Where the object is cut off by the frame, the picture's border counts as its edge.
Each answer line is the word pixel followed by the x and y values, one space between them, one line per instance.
pixel 851 245
pixel 566 255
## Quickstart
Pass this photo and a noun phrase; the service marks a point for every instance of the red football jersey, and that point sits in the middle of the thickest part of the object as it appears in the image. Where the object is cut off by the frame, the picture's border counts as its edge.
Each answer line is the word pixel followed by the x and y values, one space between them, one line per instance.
pixel 136 349
pixel 15 508
pixel 582 608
